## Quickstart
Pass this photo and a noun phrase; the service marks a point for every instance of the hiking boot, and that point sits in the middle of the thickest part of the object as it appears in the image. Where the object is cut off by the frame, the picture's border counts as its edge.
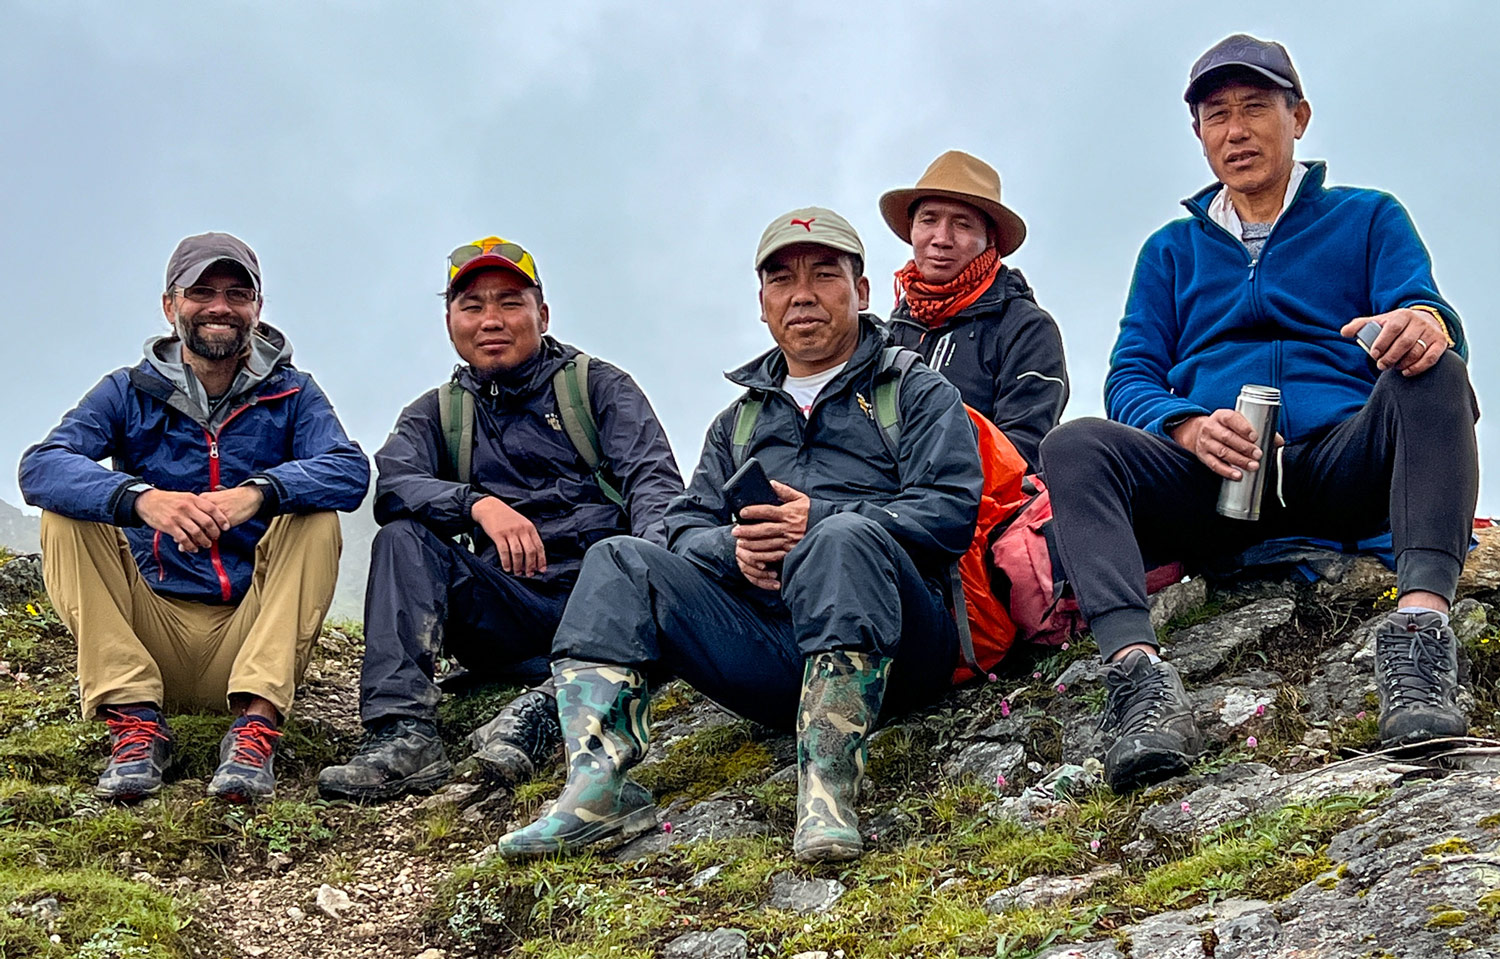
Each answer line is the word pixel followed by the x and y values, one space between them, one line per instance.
pixel 140 752
pixel 1416 674
pixel 246 756
pixel 521 739
pixel 841 695
pixel 399 756
pixel 1157 737
pixel 605 713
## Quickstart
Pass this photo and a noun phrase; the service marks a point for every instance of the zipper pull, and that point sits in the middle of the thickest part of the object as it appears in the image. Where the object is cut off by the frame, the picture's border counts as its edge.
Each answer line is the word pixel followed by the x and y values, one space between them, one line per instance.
pixel 1252 273
pixel 213 449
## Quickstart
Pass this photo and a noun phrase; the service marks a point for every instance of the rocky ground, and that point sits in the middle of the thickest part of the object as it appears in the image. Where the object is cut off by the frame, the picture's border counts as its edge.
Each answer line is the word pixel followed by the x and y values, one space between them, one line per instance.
pixel 989 832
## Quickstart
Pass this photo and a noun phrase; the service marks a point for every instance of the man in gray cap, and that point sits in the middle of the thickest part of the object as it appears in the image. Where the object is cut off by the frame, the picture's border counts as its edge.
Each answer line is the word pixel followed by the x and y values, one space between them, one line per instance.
pixel 1268 282
pixel 197 567
pixel 815 600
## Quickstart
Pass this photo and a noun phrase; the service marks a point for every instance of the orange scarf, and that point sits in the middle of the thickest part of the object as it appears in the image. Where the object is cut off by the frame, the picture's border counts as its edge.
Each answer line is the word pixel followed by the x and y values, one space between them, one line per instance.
pixel 932 303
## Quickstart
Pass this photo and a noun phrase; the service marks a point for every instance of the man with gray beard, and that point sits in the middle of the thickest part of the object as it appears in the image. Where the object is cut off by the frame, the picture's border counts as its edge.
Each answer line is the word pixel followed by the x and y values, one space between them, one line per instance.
pixel 197 567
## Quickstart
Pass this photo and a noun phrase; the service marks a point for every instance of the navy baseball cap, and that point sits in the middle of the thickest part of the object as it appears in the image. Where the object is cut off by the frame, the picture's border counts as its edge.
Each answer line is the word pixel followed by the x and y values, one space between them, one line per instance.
pixel 1265 57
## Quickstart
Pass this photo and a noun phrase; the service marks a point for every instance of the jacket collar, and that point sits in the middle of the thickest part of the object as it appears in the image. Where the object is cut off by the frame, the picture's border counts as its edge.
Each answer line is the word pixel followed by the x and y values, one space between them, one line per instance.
pixel 766 371
pixel 1008 285
pixel 1312 186
pixel 175 384
pixel 511 385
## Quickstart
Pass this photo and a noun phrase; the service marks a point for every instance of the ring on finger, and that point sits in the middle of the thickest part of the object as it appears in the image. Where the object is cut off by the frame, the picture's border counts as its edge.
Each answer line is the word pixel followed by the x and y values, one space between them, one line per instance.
pixel 1422 343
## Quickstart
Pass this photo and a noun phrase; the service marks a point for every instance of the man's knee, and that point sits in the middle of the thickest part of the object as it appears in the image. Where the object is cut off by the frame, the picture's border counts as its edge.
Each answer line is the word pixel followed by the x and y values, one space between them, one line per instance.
pixel 630 555
pixel 58 530
pixel 1077 446
pixel 846 529
pixel 1446 386
pixel 404 537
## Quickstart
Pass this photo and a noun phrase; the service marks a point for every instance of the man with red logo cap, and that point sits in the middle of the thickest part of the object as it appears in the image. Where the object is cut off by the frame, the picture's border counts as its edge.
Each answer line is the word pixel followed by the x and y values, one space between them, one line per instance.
pixel 812 597
pixel 971 317
pixel 531 454
pixel 199 565
pixel 1267 283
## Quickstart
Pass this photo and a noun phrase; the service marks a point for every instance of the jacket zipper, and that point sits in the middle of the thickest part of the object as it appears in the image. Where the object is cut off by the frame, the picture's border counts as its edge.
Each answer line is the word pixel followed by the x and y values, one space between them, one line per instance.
pixel 161 571
pixel 226 588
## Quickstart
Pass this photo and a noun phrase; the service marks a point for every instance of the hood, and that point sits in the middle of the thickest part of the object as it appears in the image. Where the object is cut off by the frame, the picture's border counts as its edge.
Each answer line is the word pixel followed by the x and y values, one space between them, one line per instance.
pixel 511 386
pixel 1008 285
pixel 766 371
pixel 269 350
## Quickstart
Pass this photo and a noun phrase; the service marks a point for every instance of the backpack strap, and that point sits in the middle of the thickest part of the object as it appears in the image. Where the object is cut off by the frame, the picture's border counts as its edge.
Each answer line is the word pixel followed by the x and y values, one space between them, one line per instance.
pixel 894 363
pixel 571 384
pixel 456 417
pixel 961 619
pixel 744 426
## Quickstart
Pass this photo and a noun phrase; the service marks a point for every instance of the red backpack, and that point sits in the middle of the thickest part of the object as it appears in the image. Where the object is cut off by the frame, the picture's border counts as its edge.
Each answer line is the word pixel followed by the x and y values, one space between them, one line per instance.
pixel 1028 575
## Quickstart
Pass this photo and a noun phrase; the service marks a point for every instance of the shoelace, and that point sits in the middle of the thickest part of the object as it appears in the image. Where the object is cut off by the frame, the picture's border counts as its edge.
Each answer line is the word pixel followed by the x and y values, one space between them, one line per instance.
pixel 1411 662
pixel 132 736
pixel 1135 701
pixel 254 743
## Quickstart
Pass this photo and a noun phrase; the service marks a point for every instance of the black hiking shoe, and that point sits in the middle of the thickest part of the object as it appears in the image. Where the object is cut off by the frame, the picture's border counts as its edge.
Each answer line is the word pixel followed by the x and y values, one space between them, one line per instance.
pixel 247 755
pixel 1149 710
pixel 399 756
pixel 521 739
pixel 140 752
pixel 1416 674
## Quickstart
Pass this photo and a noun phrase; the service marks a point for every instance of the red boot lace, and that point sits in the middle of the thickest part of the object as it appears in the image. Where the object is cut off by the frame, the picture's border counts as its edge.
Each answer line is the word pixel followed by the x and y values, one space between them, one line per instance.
pixel 254 743
pixel 132 736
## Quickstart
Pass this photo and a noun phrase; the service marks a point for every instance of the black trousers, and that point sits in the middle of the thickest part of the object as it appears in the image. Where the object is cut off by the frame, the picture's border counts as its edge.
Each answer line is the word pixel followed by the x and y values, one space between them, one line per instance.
pixel 1123 498
pixel 847 585
pixel 426 595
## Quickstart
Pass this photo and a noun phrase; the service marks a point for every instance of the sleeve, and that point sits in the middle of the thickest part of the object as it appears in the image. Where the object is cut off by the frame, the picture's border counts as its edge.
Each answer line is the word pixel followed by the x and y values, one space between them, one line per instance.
pixel 1032 379
pixel 62 474
pixel 327 470
pixel 635 444
pixel 1400 270
pixel 934 514
pixel 407 482
pixel 697 522
pixel 1136 390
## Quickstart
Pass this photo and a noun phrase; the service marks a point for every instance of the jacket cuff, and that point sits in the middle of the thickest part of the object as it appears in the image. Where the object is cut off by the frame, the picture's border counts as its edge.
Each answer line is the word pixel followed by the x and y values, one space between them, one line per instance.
pixel 819 510
pixel 123 513
pixel 270 504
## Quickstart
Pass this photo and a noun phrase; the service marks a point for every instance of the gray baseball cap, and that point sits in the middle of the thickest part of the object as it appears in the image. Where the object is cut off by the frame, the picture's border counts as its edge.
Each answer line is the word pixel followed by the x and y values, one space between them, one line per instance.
pixel 1265 57
pixel 812 224
pixel 197 253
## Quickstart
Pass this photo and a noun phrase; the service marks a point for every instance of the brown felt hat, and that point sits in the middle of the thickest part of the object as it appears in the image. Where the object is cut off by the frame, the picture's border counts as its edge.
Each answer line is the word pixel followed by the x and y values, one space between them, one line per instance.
pixel 957 176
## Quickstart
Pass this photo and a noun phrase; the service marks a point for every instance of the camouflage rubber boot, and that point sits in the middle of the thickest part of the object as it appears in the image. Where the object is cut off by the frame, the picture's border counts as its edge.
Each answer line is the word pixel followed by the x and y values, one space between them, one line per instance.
pixel 520 740
pixel 1416 674
pixel 841 695
pixel 605 714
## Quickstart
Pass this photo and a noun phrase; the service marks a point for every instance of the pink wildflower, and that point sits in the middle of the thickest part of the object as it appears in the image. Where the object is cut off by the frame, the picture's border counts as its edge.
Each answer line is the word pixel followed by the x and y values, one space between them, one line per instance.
pixel 1186 807
pixel 1064 645
pixel 992 678
pixel 1094 845
pixel 1004 708
pixel 1260 709
pixel 661 892
pixel 1251 742
pixel 666 827
pixel 1036 675
pixel 1360 715
pixel 1000 780
pixel 1062 687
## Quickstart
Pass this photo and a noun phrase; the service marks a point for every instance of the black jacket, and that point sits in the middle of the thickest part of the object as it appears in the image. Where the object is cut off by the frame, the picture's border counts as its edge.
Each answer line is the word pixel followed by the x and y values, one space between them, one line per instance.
pixel 928 503
pixel 523 457
pixel 1005 355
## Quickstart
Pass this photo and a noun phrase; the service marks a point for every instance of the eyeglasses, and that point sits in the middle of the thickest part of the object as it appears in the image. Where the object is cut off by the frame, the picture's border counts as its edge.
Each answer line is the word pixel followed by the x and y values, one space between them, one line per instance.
pixel 234 295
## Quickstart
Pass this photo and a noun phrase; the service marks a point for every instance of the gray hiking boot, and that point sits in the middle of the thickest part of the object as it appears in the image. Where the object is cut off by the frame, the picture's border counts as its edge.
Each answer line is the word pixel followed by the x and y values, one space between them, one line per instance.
pixel 606 721
pixel 521 739
pixel 1416 674
pixel 247 756
pixel 140 753
pixel 397 757
pixel 841 695
pixel 1149 711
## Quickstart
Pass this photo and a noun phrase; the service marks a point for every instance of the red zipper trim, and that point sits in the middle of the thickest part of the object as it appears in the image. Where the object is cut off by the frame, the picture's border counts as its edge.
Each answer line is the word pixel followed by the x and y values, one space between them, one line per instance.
pixel 161 571
pixel 226 588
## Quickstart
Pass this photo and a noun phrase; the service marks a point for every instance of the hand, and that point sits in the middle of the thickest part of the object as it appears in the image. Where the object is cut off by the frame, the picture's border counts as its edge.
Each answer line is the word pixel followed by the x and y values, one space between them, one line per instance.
pixel 1398 344
pixel 239 503
pixel 514 536
pixel 192 520
pixel 765 534
pixel 1223 441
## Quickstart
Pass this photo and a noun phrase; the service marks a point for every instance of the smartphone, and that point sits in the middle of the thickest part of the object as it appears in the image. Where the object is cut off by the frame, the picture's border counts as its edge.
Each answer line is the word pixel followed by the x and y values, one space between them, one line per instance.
pixel 749 486
pixel 1367 334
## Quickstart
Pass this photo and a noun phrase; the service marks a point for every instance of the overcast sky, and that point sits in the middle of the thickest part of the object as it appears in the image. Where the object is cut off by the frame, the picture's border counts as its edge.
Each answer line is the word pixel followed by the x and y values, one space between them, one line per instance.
pixel 639 149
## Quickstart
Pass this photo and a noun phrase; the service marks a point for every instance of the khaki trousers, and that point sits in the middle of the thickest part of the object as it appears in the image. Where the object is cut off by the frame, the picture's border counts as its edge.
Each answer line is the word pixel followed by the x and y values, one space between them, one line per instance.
pixel 135 646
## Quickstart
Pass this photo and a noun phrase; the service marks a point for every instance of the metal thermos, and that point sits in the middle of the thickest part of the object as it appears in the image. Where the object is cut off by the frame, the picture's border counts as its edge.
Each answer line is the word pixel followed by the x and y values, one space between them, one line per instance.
pixel 1240 499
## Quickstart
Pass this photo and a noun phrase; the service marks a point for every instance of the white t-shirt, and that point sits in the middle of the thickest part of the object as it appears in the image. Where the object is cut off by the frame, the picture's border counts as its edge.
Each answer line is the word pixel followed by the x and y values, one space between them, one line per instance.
pixel 804 390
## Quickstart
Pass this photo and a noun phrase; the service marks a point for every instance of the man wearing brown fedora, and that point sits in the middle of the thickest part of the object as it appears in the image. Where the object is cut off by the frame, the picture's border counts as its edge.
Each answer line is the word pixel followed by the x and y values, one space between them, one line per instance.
pixel 1267 283
pixel 974 319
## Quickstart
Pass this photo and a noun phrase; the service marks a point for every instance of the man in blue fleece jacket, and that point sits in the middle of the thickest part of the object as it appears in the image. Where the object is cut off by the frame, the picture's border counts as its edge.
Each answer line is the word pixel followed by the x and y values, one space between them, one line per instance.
pixel 1267 282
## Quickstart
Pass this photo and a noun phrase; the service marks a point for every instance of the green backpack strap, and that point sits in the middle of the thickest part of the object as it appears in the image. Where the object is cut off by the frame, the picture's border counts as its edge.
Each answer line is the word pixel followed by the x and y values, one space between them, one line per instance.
pixel 456 416
pixel 571 384
pixel 894 362
pixel 744 427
